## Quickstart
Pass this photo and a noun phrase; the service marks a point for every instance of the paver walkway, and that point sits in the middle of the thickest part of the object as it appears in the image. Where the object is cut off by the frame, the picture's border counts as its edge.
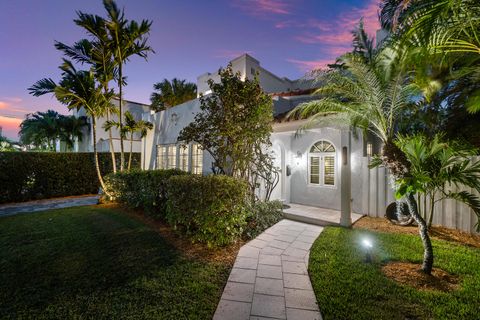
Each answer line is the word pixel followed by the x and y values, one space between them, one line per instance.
pixel 47 204
pixel 269 279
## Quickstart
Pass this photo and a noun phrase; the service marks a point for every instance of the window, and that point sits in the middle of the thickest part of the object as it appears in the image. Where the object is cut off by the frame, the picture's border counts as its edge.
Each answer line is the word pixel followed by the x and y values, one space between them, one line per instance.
pixel 172 156
pixel 197 159
pixel 183 157
pixel 322 164
pixel 166 156
pixel 162 156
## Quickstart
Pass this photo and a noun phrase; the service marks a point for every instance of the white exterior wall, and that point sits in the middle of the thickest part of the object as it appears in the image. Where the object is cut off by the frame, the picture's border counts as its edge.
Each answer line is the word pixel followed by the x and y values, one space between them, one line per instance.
pixel 103 145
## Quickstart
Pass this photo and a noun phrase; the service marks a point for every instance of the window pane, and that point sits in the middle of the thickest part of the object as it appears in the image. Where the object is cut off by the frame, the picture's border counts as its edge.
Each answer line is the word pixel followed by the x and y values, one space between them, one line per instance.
pixel 315 170
pixel 172 156
pixel 161 157
pixel 197 159
pixel 183 157
pixel 329 170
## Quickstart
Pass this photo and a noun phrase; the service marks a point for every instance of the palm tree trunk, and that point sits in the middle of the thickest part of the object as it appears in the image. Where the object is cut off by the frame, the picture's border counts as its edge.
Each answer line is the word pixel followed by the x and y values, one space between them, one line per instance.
pixel 95 153
pixel 112 151
pixel 423 230
pixel 120 117
pixel 131 149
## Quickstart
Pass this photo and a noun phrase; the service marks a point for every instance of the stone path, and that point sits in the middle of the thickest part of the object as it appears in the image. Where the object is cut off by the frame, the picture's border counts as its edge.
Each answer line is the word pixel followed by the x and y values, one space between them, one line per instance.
pixel 269 279
pixel 47 204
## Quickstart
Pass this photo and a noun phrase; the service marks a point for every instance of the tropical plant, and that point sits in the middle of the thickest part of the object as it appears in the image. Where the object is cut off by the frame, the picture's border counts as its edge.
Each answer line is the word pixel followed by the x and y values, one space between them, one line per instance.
pixel 71 129
pixel 436 167
pixel 131 127
pixel 234 126
pixel 6 144
pixel 96 52
pixel 125 39
pixel 78 89
pixel 41 129
pixel 172 93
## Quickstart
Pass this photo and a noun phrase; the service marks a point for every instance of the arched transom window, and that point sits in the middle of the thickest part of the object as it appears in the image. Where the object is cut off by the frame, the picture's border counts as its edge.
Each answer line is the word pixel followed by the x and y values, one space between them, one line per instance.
pixel 322 163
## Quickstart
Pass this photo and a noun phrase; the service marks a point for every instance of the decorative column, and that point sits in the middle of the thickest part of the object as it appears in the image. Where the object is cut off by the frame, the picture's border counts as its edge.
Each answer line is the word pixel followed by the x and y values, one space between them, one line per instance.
pixel 345 178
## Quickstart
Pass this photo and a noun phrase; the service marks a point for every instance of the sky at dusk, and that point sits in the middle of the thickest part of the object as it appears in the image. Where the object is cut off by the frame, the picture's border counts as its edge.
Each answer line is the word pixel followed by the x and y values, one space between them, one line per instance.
pixel 190 37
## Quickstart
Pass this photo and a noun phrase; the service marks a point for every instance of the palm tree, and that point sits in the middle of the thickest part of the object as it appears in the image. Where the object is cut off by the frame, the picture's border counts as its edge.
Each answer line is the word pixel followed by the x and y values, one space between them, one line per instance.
pixel 372 97
pixel 126 38
pixel 71 129
pixel 78 89
pixel 41 129
pixel 172 93
pixel 131 126
pixel 97 53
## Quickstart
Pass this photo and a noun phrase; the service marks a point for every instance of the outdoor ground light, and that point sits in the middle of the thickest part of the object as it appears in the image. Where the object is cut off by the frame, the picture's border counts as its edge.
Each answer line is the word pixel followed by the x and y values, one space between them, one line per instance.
pixel 367 245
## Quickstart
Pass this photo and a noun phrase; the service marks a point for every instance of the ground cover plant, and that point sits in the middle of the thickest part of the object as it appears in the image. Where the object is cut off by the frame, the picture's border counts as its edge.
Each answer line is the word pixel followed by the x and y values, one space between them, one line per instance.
pixel 349 288
pixel 103 263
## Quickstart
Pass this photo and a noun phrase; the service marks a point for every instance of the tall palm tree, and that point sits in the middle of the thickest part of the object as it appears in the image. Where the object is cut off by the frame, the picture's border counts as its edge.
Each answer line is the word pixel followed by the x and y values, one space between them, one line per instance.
pixel 131 127
pixel 372 97
pixel 97 53
pixel 41 129
pixel 126 38
pixel 78 89
pixel 172 93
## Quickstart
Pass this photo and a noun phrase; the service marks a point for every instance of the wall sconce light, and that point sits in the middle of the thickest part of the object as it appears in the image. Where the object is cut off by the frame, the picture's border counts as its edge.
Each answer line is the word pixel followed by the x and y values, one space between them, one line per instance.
pixel 174 118
pixel 369 149
pixel 299 155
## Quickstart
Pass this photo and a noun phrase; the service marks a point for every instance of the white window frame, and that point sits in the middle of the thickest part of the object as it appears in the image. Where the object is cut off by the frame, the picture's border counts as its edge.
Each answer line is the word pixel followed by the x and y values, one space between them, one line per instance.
pixel 194 160
pixel 184 154
pixel 167 156
pixel 321 156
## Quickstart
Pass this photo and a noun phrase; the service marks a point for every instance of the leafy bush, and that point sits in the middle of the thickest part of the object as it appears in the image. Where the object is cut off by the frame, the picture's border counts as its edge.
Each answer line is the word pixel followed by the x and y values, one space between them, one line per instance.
pixel 142 189
pixel 212 209
pixel 262 215
pixel 40 175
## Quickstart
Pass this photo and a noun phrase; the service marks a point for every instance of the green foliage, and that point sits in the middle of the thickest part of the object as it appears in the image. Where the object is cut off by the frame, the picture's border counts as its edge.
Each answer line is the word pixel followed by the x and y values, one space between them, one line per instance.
pixel 233 120
pixel 144 190
pixel 348 288
pixel 262 215
pixel 212 209
pixel 100 263
pixel 39 175
pixel 172 93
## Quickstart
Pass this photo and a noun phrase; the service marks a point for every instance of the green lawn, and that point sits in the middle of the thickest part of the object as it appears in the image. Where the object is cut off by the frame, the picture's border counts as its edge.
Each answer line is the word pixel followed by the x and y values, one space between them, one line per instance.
pixel 93 262
pixel 348 288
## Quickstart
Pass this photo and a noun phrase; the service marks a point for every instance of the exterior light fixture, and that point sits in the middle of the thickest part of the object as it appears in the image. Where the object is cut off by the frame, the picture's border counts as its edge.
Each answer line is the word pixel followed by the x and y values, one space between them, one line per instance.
pixel 368 245
pixel 299 155
pixel 174 118
pixel 369 149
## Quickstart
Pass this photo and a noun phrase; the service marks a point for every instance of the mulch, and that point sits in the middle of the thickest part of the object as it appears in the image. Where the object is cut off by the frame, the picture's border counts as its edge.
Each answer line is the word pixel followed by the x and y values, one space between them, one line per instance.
pixel 410 274
pixel 436 232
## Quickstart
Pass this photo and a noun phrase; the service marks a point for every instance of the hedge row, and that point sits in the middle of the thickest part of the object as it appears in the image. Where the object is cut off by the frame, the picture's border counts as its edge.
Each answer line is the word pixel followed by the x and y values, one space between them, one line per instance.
pixel 212 209
pixel 40 175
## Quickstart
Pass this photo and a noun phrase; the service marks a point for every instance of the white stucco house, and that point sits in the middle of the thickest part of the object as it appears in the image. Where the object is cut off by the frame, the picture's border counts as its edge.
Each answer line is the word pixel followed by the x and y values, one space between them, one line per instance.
pixel 103 139
pixel 314 169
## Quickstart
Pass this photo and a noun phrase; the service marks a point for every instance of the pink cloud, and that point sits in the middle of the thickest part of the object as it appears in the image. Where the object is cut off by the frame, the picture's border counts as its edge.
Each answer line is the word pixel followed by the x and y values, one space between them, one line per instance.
pixel 10 126
pixel 230 54
pixel 309 65
pixel 11 105
pixel 263 7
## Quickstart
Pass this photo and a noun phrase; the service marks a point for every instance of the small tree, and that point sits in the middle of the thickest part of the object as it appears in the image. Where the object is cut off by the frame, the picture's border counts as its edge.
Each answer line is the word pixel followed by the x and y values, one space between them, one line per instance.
pixel 234 126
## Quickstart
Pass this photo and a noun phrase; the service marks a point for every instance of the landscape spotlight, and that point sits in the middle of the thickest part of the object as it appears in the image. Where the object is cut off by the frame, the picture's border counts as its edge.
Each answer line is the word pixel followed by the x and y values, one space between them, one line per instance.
pixel 367 243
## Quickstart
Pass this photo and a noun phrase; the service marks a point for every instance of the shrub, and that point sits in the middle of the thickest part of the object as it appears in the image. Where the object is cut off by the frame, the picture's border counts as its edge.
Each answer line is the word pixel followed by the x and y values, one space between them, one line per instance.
pixel 40 175
pixel 262 215
pixel 142 189
pixel 212 209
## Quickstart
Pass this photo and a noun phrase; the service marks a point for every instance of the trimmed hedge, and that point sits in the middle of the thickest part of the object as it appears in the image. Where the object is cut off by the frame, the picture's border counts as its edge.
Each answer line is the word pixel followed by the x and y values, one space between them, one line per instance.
pixel 39 175
pixel 142 189
pixel 262 215
pixel 212 209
